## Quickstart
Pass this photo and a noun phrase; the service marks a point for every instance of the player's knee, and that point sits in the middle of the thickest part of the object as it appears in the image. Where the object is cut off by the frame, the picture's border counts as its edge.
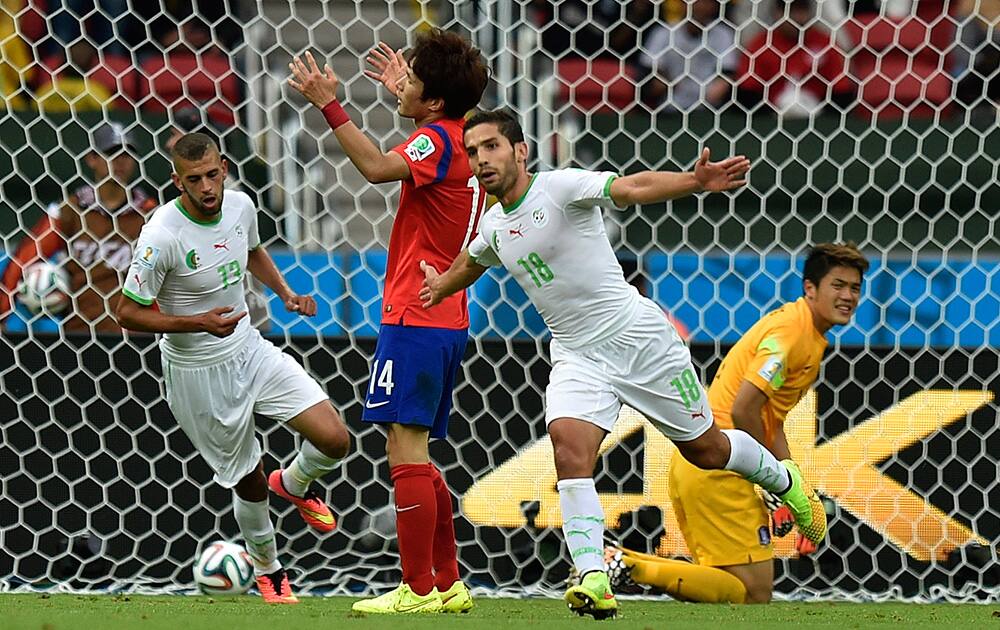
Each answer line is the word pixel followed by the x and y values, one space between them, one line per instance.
pixel 337 443
pixel 705 452
pixel 701 457
pixel 571 462
pixel 407 444
pixel 336 440
pixel 253 485
pixel 328 434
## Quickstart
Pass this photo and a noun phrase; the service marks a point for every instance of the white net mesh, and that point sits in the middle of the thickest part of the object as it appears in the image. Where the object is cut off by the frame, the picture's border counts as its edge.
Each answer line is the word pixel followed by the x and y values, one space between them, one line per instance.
pixel 865 122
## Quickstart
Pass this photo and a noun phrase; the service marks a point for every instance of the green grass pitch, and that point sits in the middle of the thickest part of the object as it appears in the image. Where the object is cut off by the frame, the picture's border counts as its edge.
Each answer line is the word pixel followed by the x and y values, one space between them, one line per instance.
pixel 107 612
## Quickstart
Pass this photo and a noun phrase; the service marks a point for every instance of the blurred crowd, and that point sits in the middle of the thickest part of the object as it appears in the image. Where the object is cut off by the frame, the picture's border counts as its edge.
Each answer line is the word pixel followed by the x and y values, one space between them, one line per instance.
pixel 875 60
pixel 85 55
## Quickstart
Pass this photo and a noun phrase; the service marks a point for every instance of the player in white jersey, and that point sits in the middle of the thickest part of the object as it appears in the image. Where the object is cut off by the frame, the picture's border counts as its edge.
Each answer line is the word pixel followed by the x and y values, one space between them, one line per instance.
pixel 609 344
pixel 190 259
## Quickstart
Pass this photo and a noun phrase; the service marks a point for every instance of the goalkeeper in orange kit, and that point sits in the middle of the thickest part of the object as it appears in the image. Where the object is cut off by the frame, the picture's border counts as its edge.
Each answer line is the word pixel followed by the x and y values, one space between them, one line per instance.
pixel 724 520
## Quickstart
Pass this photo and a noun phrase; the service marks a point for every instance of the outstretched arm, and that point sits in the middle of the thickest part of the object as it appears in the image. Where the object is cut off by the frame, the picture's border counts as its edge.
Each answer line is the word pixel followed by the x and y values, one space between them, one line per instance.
pixel 262 266
pixel 656 186
pixel 437 286
pixel 320 89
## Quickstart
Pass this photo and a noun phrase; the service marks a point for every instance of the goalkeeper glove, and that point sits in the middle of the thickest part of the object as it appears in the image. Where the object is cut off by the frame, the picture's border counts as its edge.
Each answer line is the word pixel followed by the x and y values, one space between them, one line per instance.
pixel 803 545
pixel 782 521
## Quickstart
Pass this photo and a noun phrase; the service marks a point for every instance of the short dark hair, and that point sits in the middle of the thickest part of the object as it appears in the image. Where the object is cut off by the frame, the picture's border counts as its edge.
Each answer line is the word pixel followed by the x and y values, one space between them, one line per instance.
pixel 193 146
pixel 504 119
pixel 825 256
pixel 451 69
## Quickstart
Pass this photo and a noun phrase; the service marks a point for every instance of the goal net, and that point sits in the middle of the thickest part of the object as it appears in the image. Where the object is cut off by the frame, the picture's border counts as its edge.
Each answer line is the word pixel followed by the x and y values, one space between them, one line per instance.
pixel 866 121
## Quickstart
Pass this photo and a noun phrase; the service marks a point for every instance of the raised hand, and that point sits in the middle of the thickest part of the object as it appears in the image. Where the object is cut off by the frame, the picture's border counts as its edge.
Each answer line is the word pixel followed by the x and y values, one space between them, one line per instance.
pixel 319 88
pixel 389 67
pixel 219 322
pixel 429 293
pixel 719 176
pixel 301 304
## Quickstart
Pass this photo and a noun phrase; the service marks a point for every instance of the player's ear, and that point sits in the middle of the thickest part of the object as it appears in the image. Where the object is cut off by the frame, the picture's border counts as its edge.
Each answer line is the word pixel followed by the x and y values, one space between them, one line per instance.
pixel 436 105
pixel 225 168
pixel 177 181
pixel 521 152
pixel 809 289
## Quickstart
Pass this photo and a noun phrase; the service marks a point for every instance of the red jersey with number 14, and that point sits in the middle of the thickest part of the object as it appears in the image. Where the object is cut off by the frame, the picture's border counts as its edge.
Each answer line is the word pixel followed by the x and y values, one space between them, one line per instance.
pixel 439 210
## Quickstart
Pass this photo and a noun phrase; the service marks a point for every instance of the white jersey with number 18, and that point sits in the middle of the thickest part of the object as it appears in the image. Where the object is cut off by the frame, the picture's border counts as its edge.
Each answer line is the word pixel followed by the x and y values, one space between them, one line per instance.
pixel 190 267
pixel 552 240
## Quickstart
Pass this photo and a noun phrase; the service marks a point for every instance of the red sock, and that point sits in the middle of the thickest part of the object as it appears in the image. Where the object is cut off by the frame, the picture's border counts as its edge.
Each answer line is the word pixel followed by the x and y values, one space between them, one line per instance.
pixel 445 555
pixel 416 514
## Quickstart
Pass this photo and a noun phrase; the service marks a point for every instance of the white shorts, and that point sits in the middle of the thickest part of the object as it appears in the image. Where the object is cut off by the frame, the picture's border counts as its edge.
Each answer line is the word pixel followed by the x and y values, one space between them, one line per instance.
pixel 215 403
pixel 647 367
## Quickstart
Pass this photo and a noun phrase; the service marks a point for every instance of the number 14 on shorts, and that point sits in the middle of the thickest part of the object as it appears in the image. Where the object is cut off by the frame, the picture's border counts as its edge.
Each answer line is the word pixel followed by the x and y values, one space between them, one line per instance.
pixel 380 379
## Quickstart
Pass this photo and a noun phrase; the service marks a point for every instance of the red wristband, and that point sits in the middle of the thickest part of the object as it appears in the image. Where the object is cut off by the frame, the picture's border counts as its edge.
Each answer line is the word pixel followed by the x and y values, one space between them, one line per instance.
pixel 335 114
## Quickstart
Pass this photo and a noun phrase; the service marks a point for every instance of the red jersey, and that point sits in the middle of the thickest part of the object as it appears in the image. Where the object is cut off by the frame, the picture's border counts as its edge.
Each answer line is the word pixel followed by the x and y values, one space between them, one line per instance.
pixel 439 210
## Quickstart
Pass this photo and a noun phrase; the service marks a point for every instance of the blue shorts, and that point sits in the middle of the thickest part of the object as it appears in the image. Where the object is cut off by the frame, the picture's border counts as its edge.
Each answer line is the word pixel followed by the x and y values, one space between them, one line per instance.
pixel 412 376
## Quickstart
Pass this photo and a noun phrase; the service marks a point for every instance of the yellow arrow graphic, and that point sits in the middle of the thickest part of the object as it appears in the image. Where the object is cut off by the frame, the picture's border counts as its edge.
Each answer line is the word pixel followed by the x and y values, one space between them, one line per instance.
pixel 842 468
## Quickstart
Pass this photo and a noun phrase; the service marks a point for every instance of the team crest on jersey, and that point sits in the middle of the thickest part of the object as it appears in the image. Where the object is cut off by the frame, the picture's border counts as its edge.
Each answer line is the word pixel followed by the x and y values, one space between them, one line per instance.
pixel 147 256
pixel 239 231
pixel 496 241
pixel 539 218
pixel 764 536
pixel 420 147
pixel 192 260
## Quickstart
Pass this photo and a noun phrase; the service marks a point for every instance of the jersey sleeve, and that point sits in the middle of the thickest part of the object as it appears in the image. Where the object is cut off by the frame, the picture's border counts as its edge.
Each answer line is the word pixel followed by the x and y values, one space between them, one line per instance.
pixel 580 189
pixel 768 369
pixel 481 250
pixel 253 233
pixel 151 260
pixel 428 152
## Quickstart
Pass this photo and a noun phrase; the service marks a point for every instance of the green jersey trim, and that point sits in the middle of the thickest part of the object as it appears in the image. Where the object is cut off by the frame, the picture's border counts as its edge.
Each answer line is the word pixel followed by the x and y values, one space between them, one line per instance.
pixel 177 202
pixel 137 298
pixel 520 199
pixel 607 186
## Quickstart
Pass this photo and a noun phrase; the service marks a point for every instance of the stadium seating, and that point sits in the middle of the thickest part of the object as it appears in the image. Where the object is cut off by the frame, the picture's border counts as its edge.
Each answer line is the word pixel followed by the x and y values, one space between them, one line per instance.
pixel 901 65
pixel 596 84
pixel 184 79
pixel 117 73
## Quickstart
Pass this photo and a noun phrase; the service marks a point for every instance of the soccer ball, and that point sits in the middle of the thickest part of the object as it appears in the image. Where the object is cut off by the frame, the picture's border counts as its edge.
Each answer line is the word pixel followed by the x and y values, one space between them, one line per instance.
pixel 619 573
pixel 44 287
pixel 223 568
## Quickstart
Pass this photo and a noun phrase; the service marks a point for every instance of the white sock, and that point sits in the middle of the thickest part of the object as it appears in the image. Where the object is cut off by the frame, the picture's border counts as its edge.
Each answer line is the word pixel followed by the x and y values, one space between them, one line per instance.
pixel 749 458
pixel 309 465
pixel 258 534
pixel 583 523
